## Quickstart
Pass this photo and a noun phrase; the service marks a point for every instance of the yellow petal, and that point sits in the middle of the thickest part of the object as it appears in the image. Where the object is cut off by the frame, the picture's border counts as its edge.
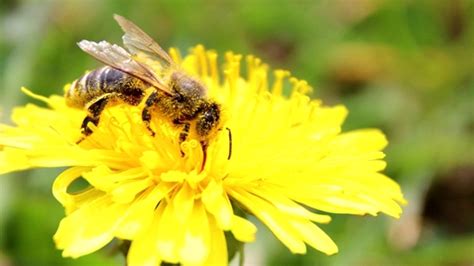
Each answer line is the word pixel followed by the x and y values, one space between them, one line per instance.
pixel 218 246
pixel 63 181
pixel 13 160
pixel 242 229
pixel 89 228
pixel 169 236
pixel 314 236
pixel 197 238
pixel 144 249
pixel 141 212
pixel 276 221
pixel 183 203
pixel 217 203
pixel 286 205
pixel 125 192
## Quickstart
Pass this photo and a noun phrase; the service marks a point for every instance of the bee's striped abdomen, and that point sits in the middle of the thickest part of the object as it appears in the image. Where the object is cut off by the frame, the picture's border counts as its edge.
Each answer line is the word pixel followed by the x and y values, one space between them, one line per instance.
pixel 107 78
pixel 104 79
pixel 98 82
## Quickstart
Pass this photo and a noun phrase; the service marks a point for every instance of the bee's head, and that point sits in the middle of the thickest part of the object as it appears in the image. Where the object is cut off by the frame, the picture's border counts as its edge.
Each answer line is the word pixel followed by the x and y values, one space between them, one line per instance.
pixel 208 119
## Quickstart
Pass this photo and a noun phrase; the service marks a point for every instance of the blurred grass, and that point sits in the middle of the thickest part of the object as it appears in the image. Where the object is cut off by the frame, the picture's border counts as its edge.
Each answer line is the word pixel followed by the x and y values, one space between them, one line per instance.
pixel 403 66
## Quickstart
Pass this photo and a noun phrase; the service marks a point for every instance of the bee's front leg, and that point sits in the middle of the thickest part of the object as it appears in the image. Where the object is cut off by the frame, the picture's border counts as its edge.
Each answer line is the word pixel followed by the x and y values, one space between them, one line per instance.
pixel 183 135
pixel 204 145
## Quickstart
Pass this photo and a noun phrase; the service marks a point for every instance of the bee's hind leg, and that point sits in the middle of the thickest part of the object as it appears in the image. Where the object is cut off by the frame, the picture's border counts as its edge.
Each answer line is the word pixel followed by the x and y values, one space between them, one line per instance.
pixel 93 113
pixel 95 108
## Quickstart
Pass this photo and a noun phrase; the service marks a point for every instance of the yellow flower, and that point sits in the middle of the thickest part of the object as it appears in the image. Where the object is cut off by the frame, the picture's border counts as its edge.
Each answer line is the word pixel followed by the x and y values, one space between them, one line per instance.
pixel 288 154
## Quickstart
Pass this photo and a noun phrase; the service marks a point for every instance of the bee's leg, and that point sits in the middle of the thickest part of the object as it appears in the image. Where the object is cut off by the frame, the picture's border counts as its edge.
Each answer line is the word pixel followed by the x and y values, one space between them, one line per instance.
pixel 146 116
pixel 204 153
pixel 85 130
pixel 94 110
pixel 183 135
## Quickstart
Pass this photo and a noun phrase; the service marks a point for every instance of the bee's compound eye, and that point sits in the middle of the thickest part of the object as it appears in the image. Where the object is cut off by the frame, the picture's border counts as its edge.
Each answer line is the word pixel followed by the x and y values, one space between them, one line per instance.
pixel 210 117
pixel 179 98
pixel 207 121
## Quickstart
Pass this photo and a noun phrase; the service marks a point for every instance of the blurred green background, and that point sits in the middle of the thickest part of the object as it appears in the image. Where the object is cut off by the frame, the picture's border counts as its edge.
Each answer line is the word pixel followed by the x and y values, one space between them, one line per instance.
pixel 406 67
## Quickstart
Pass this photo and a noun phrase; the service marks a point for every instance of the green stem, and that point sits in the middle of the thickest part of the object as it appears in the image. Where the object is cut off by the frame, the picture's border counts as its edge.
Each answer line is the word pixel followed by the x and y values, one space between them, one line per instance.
pixel 241 255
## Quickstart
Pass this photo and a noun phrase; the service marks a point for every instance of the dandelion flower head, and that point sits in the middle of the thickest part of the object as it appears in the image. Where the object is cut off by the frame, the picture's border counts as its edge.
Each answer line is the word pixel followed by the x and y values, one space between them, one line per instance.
pixel 290 165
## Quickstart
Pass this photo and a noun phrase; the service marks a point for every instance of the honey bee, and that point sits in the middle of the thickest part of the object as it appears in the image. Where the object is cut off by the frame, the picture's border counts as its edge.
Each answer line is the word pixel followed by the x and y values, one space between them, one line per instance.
pixel 177 97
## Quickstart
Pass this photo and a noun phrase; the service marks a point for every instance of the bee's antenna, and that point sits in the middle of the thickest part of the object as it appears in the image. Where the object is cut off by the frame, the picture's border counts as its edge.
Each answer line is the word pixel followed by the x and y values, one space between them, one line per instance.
pixel 230 143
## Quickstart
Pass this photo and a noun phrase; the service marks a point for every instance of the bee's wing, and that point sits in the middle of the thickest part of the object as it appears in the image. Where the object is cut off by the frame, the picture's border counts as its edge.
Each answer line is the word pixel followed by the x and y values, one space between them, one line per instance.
pixel 137 41
pixel 117 57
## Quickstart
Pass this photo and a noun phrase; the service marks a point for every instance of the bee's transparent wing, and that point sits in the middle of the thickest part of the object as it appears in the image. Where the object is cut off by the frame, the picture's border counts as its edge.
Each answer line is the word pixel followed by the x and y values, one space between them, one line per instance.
pixel 117 57
pixel 138 42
